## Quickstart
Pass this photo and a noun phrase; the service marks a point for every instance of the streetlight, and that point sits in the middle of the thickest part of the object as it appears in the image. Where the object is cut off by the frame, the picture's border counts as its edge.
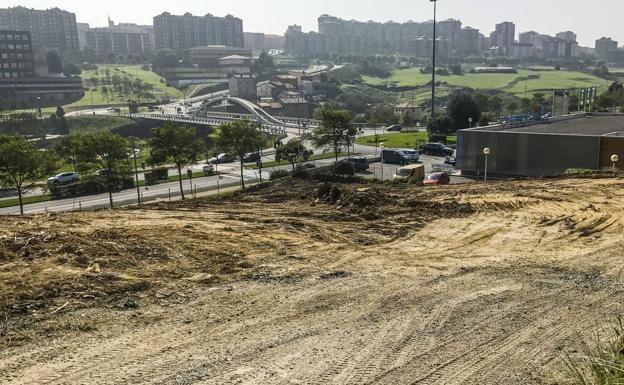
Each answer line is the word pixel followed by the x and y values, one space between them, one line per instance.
pixel 92 105
pixel 470 122
pixel 134 155
pixel 486 152
pixel 615 159
pixel 433 61
pixel 381 147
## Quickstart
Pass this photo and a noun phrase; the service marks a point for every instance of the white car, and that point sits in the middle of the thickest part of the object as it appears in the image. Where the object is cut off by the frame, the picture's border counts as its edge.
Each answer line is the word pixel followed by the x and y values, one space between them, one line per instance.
pixel 64 178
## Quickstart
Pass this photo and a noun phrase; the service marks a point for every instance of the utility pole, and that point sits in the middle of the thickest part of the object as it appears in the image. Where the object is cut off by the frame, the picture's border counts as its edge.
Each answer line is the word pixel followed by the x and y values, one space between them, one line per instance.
pixel 433 61
pixel 136 171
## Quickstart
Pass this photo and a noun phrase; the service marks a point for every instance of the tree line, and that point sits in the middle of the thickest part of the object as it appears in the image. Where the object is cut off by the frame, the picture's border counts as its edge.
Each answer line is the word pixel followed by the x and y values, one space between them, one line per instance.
pixel 108 157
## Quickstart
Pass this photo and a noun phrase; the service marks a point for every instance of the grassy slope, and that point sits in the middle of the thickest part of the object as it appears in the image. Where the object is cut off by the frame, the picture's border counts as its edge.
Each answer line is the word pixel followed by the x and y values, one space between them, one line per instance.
pixel 132 71
pixel 399 140
pixel 547 80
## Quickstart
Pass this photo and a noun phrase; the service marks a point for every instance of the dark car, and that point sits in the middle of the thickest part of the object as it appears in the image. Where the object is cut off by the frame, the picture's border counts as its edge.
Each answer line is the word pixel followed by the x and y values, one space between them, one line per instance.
pixel 394 157
pixel 438 178
pixel 252 158
pixel 394 128
pixel 222 158
pixel 359 163
pixel 437 149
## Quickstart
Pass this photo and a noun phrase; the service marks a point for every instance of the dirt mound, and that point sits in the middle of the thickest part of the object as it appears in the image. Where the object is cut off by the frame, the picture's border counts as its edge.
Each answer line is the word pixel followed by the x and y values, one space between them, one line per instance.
pixel 303 282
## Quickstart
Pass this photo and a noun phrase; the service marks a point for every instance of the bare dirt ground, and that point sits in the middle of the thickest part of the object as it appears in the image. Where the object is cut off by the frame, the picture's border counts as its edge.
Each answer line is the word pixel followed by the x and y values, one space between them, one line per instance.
pixel 471 284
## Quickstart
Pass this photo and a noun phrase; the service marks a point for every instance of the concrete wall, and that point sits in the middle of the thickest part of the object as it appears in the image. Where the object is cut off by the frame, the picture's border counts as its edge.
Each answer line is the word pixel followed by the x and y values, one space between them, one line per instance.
pixel 525 154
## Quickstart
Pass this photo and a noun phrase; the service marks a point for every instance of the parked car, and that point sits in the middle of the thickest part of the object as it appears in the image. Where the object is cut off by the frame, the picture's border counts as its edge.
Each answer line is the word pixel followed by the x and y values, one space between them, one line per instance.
pixel 208 170
pixel 223 158
pixel 252 158
pixel 438 178
pixel 394 128
pixel 414 172
pixel 450 160
pixel 359 163
pixel 437 149
pixel 412 155
pixel 64 178
pixel 394 157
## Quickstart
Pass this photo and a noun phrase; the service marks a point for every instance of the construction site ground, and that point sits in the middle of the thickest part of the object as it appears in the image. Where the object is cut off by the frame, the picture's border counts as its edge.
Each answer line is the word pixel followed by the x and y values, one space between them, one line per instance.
pixel 305 283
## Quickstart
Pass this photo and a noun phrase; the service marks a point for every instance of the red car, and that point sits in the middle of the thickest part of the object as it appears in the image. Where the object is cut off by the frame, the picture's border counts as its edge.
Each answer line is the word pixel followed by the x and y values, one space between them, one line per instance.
pixel 438 178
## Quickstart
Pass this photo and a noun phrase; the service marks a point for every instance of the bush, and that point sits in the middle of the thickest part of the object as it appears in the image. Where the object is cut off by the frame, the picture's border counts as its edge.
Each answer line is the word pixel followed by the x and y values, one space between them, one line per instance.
pixel 279 174
pixel 343 168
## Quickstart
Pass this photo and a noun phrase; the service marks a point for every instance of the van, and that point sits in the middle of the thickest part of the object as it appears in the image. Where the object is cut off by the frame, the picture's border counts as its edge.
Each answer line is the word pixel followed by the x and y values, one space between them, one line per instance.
pixel 394 157
pixel 412 173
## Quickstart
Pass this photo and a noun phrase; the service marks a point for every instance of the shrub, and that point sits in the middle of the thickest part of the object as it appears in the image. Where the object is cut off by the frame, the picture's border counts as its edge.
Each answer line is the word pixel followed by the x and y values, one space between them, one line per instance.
pixel 279 174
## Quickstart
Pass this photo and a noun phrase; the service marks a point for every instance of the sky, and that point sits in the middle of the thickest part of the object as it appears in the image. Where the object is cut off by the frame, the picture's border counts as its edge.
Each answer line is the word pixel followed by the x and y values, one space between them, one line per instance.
pixel 586 18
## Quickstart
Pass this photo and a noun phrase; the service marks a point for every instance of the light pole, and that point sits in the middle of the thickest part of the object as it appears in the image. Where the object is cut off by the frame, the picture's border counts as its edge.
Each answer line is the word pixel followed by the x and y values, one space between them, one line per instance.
pixel 433 61
pixel 381 146
pixel 486 152
pixel 470 122
pixel 92 105
pixel 614 160
pixel 134 155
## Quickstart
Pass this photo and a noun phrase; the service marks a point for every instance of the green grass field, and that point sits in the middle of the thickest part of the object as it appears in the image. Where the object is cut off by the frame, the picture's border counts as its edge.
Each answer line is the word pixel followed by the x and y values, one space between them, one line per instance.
pixel 512 83
pixel 399 140
pixel 131 71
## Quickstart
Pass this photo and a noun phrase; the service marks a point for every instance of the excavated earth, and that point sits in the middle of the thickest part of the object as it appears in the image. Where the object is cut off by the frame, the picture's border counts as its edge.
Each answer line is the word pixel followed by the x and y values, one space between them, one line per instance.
pixel 301 283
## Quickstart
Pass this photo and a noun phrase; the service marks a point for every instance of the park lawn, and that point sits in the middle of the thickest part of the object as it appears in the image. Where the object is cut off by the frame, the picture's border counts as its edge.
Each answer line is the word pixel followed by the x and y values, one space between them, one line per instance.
pixel 399 140
pixel 25 200
pixel 326 155
pixel 412 77
pixel 513 83
pixel 131 71
pixel 549 80
pixel 85 124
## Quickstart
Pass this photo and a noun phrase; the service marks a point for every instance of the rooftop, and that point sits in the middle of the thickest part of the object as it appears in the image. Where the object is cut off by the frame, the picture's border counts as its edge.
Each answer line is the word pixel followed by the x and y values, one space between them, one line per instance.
pixel 586 125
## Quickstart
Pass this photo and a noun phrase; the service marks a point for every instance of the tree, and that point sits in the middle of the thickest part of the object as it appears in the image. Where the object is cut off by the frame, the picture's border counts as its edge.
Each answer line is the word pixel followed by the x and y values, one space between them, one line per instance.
pixel 22 165
pixel 512 107
pixel 174 144
pixel 67 148
pixel 442 124
pixel 335 130
pixel 106 153
pixel 239 138
pixel 294 151
pixel 165 58
pixel 53 60
pixel 264 65
pixel 495 105
pixel 482 101
pixel 60 112
pixel 461 108
pixel 383 114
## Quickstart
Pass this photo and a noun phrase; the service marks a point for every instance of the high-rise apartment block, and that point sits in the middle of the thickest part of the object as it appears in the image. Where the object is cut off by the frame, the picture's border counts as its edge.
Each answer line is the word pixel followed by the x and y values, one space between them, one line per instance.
pixel 49 29
pixel 504 37
pixel 16 55
pixel 604 48
pixel 122 39
pixel 361 38
pixel 189 31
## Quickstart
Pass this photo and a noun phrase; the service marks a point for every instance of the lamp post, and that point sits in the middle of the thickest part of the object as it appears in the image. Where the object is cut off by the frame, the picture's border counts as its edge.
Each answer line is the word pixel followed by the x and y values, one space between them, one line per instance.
pixel 433 60
pixel 470 122
pixel 381 147
pixel 486 152
pixel 92 105
pixel 614 160
pixel 134 155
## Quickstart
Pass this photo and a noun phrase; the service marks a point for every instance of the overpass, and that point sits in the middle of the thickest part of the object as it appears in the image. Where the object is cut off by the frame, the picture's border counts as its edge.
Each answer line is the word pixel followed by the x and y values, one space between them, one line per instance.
pixel 205 116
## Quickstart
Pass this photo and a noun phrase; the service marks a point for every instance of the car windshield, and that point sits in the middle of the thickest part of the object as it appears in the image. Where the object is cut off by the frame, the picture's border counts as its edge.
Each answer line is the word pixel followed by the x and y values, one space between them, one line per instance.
pixel 435 176
pixel 409 152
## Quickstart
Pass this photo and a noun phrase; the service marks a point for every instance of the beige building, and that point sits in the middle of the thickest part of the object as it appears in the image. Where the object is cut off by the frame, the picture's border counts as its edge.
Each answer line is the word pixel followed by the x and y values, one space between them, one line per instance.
pixel 409 110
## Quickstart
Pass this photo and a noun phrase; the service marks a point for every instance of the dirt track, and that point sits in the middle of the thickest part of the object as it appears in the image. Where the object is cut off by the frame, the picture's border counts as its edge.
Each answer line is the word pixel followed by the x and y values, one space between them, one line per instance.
pixel 459 285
